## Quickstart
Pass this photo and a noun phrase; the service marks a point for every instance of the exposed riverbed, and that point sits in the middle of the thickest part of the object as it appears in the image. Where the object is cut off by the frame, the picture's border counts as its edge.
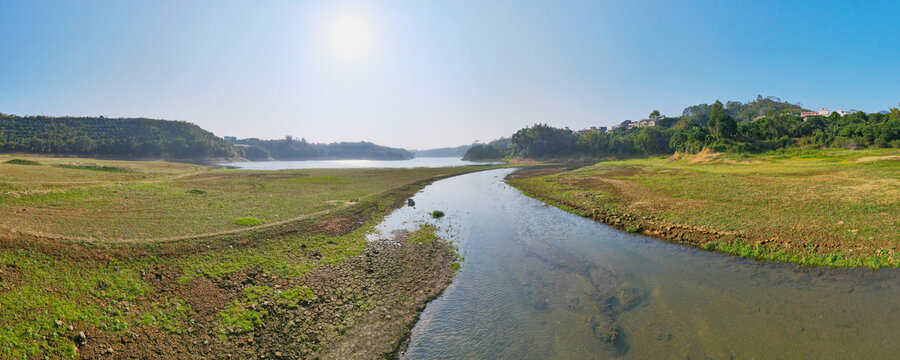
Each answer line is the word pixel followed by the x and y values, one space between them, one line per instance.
pixel 538 282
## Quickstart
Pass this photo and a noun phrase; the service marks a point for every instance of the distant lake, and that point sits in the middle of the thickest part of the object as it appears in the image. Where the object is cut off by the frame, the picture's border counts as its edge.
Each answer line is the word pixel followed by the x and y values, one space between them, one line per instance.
pixel 346 164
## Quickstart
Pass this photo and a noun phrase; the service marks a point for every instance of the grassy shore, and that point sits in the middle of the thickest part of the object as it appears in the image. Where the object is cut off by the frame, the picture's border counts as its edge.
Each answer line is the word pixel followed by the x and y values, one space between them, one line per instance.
pixel 817 207
pixel 162 260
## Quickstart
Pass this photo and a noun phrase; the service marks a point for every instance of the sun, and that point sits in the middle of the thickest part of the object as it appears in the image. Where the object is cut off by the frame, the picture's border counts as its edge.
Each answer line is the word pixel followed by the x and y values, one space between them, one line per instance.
pixel 349 36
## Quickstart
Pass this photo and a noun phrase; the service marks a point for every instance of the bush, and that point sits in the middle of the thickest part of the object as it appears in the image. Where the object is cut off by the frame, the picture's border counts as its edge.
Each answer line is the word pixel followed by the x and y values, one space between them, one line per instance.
pixel 196 192
pixel 437 214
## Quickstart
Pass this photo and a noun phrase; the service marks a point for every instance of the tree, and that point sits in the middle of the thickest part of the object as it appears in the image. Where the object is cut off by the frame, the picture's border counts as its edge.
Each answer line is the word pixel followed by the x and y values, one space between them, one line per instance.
pixel 654 113
pixel 721 125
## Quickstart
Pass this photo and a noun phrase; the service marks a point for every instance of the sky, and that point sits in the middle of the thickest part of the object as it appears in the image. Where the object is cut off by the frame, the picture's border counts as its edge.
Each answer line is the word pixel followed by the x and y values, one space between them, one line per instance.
pixel 425 74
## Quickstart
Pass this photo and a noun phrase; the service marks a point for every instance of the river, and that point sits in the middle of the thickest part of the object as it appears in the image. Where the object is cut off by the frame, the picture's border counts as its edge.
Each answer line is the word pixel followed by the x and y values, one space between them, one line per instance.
pixel 541 283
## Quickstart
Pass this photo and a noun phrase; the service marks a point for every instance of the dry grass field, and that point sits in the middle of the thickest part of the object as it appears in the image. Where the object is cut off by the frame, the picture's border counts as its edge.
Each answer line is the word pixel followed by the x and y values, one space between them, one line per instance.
pixel 830 207
pixel 93 200
pixel 102 258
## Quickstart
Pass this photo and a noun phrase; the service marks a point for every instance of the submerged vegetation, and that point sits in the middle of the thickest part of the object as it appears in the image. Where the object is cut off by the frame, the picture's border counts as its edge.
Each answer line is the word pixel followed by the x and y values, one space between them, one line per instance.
pixel 831 207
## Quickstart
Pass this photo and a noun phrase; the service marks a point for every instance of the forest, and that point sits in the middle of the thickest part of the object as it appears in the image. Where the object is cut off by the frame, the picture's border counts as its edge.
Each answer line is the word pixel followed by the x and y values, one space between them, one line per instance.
pixel 120 137
pixel 149 138
pixel 761 125
pixel 290 148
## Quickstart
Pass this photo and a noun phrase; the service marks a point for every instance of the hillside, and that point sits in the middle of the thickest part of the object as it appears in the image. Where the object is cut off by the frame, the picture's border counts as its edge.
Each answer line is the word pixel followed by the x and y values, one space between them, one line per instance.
pixel 120 137
pixel 293 149
pixel 457 151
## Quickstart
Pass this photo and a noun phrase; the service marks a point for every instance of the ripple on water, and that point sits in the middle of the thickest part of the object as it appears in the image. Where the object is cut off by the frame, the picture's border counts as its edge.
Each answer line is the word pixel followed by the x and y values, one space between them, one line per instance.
pixel 540 283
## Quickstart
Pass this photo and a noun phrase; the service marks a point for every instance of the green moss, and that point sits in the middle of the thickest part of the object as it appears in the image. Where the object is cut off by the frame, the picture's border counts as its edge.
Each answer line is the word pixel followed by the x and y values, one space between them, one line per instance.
pixel 239 316
pixel 424 234
pixel 172 314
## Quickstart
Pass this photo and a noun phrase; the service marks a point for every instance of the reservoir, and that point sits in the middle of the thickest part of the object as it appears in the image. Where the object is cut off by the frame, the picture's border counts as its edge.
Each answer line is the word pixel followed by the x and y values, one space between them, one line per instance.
pixel 346 164
pixel 540 283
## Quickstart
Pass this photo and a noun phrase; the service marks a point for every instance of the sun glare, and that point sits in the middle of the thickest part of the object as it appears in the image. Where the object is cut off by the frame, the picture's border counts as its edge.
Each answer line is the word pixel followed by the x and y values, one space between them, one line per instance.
pixel 349 36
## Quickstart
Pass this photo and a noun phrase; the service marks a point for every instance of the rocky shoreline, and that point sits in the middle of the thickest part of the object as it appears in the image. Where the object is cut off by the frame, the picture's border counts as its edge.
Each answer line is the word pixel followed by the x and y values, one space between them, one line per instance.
pixel 363 308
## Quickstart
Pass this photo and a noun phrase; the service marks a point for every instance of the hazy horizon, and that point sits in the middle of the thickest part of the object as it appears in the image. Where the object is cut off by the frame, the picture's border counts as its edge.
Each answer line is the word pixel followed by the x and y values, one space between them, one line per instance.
pixel 422 75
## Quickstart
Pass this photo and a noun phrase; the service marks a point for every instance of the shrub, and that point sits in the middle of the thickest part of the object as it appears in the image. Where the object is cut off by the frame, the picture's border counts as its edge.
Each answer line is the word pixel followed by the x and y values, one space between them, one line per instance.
pixel 437 214
pixel 196 192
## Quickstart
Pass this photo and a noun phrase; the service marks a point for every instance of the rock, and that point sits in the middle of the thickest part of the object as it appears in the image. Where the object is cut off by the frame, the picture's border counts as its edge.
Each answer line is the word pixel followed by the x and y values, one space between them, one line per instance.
pixel 109 351
pixel 410 202
pixel 80 338
pixel 59 323
pixel 630 297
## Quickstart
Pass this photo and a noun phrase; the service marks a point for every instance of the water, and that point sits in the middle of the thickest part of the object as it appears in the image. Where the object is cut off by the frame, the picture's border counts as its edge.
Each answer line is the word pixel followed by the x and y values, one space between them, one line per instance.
pixel 344 164
pixel 540 283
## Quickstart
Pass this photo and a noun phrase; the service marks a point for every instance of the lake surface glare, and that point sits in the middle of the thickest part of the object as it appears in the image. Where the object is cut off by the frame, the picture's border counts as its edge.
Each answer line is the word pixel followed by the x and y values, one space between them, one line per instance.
pixel 540 283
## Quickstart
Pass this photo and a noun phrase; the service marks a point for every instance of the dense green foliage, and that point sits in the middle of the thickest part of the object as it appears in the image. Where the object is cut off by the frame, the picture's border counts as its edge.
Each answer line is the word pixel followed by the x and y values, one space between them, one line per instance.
pixel 292 149
pixel 110 137
pixel 761 125
pixel 483 152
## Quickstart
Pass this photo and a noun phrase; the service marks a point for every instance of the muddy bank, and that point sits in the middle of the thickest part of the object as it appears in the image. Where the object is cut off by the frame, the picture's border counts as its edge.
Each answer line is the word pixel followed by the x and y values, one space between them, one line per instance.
pixel 362 308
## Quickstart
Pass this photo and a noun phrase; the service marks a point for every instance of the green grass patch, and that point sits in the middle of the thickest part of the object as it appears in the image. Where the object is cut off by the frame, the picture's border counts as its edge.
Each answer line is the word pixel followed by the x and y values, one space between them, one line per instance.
pixel 21 162
pixel 93 167
pixel 248 221
pixel 196 192
pixel 425 234
pixel 324 179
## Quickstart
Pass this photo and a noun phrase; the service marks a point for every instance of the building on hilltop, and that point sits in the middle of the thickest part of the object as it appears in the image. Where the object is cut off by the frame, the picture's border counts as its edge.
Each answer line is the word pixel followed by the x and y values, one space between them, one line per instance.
pixel 651 122
pixel 823 112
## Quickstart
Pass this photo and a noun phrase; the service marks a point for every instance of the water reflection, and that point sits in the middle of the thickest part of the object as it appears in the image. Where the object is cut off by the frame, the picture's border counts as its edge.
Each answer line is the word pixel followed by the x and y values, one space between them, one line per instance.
pixel 541 283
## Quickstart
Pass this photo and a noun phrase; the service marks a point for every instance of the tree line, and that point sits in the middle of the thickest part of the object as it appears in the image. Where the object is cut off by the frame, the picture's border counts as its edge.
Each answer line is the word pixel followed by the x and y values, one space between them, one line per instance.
pixel 761 125
pixel 99 136
pixel 290 148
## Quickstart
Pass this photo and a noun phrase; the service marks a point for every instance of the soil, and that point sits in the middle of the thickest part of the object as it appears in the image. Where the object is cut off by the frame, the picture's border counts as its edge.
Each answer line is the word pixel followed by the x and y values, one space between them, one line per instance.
pixel 362 309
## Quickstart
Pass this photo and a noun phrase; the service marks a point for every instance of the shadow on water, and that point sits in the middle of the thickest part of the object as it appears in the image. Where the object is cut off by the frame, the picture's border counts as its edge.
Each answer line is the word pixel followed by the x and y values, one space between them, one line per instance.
pixel 540 283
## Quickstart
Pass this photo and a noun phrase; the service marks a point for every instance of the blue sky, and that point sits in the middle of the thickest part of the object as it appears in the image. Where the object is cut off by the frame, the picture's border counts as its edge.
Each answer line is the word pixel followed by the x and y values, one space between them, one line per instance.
pixel 422 74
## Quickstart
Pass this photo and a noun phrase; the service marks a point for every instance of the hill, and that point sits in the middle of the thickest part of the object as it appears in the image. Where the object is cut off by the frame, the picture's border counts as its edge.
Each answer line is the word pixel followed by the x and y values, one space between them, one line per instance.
pixel 293 149
pixel 119 137
pixel 458 151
